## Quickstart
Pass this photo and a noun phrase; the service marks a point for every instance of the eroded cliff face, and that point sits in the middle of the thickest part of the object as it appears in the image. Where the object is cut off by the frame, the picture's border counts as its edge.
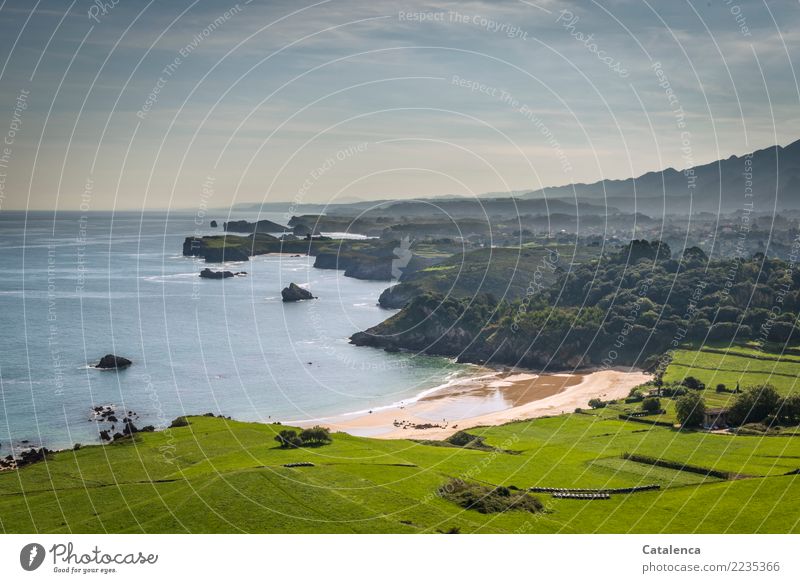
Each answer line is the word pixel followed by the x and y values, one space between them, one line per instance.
pixel 428 327
pixel 397 296
pixel 476 331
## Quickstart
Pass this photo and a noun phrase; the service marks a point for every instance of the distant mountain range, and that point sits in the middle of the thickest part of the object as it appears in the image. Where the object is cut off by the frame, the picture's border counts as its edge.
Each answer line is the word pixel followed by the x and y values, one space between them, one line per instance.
pixel 771 175
pixel 768 179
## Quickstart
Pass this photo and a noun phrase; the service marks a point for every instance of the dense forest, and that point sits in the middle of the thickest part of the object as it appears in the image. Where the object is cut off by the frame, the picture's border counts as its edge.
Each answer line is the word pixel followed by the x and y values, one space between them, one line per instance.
pixel 624 308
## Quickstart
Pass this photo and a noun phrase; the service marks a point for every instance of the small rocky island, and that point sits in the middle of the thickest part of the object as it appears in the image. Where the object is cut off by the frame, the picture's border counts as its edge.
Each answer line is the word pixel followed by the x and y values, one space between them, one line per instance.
pixel 211 274
pixel 295 293
pixel 111 361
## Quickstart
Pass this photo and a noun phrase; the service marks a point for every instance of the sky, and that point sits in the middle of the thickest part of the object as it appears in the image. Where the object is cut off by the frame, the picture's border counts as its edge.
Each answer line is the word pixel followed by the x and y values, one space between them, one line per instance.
pixel 130 104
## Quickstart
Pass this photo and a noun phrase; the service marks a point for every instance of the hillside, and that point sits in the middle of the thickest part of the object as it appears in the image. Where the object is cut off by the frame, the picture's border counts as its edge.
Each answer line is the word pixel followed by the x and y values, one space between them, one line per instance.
pixel 626 308
pixel 503 272
pixel 217 475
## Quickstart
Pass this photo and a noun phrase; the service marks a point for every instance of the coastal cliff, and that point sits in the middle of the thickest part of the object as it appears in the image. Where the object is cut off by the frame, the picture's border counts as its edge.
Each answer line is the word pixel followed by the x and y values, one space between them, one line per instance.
pixel 262 226
pixel 611 311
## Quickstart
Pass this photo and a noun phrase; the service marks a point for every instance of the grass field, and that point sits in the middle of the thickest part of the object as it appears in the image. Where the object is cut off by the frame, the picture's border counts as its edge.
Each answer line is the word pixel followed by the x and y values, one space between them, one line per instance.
pixel 736 364
pixel 218 475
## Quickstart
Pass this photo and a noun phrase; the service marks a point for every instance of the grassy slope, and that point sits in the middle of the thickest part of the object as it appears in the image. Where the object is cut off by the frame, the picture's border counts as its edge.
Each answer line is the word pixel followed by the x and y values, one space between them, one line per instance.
pixel 726 365
pixel 229 477
pixel 736 364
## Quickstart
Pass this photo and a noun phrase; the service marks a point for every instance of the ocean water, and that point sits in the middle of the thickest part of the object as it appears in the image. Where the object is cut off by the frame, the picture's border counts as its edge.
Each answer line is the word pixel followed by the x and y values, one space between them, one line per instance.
pixel 74 287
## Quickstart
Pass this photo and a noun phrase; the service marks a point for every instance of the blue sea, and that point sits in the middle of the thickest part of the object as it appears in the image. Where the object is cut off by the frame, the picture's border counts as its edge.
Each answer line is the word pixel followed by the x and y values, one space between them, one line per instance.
pixel 74 287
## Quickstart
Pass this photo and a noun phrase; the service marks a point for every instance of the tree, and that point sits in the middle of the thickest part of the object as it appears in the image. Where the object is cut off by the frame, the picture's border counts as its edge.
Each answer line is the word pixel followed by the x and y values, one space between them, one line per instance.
pixel 695 255
pixel 288 438
pixel 754 404
pixel 691 409
pixel 315 436
pixel 693 383
pixel 596 403
pixel 651 404
pixel 789 409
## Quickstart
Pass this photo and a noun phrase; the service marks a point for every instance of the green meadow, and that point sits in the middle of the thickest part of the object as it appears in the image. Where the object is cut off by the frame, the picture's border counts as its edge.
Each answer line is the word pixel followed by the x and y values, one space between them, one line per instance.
pixel 740 365
pixel 218 475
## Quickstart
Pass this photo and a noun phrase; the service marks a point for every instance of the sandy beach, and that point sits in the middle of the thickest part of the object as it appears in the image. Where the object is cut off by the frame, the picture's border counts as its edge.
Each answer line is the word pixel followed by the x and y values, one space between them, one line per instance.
pixel 488 398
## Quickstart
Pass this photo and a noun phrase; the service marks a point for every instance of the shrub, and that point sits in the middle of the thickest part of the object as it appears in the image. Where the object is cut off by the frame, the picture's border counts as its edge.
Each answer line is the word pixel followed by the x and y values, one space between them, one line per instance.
pixel 673 391
pixel 690 409
pixel 597 403
pixel 464 439
pixel 315 436
pixel 651 404
pixel 179 422
pixel 488 500
pixel 754 404
pixel 693 383
pixel 721 388
pixel 789 409
pixel 288 438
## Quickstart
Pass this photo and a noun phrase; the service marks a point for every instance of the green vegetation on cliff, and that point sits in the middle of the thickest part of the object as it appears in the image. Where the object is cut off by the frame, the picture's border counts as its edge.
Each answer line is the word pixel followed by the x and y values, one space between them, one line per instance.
pixel 630 307
pixel 503 272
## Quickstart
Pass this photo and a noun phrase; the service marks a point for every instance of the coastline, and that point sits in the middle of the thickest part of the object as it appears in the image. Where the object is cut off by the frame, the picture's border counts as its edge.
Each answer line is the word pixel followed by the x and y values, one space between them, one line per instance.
pixel 489 397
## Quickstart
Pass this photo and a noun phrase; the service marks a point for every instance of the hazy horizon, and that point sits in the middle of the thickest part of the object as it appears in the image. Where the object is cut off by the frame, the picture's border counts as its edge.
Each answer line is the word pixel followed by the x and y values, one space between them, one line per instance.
pixel 133 106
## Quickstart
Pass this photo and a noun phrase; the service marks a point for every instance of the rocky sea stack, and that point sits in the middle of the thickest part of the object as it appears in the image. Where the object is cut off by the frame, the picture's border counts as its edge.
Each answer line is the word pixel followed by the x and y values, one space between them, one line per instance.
pixel 110 361
pixel 295 293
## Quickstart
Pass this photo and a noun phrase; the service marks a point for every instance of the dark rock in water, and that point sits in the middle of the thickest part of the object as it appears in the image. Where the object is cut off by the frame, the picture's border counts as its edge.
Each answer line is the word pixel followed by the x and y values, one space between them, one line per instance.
pixel 118 436
pixel 105 435
pixel 211 274
pixel 213 224
pixel 110 361
pixel 295 293
pixel 129 428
